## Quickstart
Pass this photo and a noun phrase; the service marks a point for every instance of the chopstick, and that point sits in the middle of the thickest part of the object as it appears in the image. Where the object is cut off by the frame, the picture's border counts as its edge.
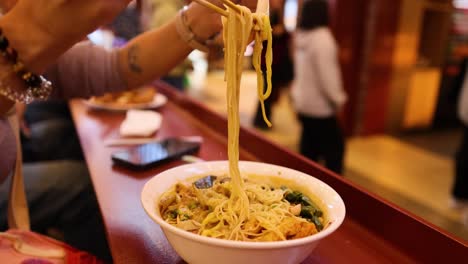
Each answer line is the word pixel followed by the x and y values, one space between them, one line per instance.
pixel 218 9
pixel 191 159
pixel 212 7
pixel 128 141
pixel 231 5
pixel 116 142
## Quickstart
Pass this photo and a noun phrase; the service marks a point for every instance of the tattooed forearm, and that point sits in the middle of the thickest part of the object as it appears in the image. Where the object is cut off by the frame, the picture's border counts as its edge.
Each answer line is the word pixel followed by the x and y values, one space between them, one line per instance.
pixel 133 59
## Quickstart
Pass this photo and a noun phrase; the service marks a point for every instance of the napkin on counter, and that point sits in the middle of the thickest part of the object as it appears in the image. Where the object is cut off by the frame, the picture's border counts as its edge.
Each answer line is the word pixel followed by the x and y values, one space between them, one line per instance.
pixel 140 123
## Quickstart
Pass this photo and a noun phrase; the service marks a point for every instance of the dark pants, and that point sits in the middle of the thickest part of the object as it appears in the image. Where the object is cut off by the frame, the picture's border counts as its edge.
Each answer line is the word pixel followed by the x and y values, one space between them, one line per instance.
pixel 460 186
pixel 322 140
pixel 61 196
pixel 46 110
pixel 53 135
pixel 58 186
pixel 177 82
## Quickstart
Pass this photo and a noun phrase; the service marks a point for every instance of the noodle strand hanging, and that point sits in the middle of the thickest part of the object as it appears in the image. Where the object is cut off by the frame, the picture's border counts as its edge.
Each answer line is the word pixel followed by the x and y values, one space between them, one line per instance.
pixel 237 28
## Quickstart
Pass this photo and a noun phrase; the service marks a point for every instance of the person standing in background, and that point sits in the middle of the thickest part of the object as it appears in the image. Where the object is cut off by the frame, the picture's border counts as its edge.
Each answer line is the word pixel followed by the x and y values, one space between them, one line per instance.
pixel 317 90
pixel 460 184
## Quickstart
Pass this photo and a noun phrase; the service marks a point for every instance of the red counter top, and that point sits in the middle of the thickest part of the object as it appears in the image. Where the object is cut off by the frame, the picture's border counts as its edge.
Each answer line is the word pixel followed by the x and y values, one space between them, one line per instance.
pixel 374 231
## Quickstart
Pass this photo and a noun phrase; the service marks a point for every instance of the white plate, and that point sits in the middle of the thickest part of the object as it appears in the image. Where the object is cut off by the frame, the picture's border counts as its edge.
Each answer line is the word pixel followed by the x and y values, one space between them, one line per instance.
pixel 158 101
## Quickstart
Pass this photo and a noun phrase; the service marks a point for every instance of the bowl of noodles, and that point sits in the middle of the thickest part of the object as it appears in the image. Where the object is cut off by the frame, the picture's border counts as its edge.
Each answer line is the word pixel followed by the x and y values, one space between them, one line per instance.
pixel 206 219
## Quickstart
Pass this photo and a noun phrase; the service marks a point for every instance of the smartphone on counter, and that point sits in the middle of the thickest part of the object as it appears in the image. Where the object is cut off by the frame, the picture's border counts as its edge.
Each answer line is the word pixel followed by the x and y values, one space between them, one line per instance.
pixel 148 155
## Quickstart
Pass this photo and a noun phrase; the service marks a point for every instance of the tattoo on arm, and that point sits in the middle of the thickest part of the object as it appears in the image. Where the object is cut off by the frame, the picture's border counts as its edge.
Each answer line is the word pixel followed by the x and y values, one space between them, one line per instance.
pixel 133 59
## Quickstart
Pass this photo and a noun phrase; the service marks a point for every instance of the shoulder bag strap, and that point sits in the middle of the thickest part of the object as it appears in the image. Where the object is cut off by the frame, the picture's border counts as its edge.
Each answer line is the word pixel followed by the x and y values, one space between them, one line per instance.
pixel 18 214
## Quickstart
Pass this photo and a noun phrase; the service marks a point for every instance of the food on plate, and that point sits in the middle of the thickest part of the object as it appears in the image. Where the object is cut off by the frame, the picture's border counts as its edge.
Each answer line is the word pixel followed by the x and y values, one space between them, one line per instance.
pixel 141 95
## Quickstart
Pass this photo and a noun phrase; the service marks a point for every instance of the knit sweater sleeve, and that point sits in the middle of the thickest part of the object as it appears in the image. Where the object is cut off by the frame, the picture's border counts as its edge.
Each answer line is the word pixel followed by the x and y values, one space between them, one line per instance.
pixel 85 70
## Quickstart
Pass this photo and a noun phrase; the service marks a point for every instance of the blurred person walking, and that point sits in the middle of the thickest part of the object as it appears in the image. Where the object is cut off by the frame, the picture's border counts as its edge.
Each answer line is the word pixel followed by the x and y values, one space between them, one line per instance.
pixel 317 90
pixel 460 184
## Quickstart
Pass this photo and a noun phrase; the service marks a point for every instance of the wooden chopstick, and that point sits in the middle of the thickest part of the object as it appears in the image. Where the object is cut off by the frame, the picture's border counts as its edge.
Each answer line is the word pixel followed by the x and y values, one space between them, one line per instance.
pixel 231 5
pixel 212 7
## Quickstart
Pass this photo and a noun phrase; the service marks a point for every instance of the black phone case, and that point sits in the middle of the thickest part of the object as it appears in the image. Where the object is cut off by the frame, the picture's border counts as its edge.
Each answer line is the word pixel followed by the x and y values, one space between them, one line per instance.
pixel 140 166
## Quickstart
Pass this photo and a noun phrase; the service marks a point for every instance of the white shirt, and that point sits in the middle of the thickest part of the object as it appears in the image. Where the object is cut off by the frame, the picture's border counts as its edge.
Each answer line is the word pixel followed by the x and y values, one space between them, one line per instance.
pixel 317 88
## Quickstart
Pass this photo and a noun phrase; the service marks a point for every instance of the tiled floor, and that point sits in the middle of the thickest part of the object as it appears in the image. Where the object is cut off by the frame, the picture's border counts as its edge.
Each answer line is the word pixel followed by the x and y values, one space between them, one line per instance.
pixel 408 175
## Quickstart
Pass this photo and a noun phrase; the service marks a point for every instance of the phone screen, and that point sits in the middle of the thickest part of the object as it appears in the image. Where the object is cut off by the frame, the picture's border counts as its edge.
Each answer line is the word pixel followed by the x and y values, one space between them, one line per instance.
pixel 150 154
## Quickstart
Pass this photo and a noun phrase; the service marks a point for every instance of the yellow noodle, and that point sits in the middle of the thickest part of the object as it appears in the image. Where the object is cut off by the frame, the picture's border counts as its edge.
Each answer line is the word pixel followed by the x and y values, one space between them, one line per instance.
pixel 236 32
pixel 263 32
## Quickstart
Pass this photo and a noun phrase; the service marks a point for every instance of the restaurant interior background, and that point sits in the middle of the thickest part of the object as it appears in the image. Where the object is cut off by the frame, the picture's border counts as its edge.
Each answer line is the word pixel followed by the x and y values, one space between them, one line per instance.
pixel 398 60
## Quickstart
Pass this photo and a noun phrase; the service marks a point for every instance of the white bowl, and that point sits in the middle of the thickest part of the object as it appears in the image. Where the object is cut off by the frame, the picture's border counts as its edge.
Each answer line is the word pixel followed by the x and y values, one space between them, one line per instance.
pixel 196 249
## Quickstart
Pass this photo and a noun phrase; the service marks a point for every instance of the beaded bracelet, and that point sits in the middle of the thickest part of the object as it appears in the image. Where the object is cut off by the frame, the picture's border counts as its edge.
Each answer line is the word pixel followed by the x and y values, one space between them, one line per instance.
pixel 37 87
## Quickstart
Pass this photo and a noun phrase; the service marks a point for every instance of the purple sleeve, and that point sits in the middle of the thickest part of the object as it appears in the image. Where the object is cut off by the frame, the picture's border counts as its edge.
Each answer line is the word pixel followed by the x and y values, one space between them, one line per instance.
pixel 7 149
pixel 85 70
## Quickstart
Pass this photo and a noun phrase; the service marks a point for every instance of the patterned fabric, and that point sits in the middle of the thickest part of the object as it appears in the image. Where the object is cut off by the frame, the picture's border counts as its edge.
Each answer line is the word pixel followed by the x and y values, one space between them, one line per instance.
pixel 59 253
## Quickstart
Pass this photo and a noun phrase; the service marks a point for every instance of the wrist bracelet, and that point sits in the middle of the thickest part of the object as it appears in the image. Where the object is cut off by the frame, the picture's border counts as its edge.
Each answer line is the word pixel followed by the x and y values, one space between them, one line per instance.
pixel 186 33
pixel 37 87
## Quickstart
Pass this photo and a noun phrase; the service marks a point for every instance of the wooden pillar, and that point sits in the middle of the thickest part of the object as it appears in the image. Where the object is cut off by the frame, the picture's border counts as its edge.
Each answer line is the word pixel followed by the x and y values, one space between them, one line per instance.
pixel 376 77
pixel 347 22
pixel 366 32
